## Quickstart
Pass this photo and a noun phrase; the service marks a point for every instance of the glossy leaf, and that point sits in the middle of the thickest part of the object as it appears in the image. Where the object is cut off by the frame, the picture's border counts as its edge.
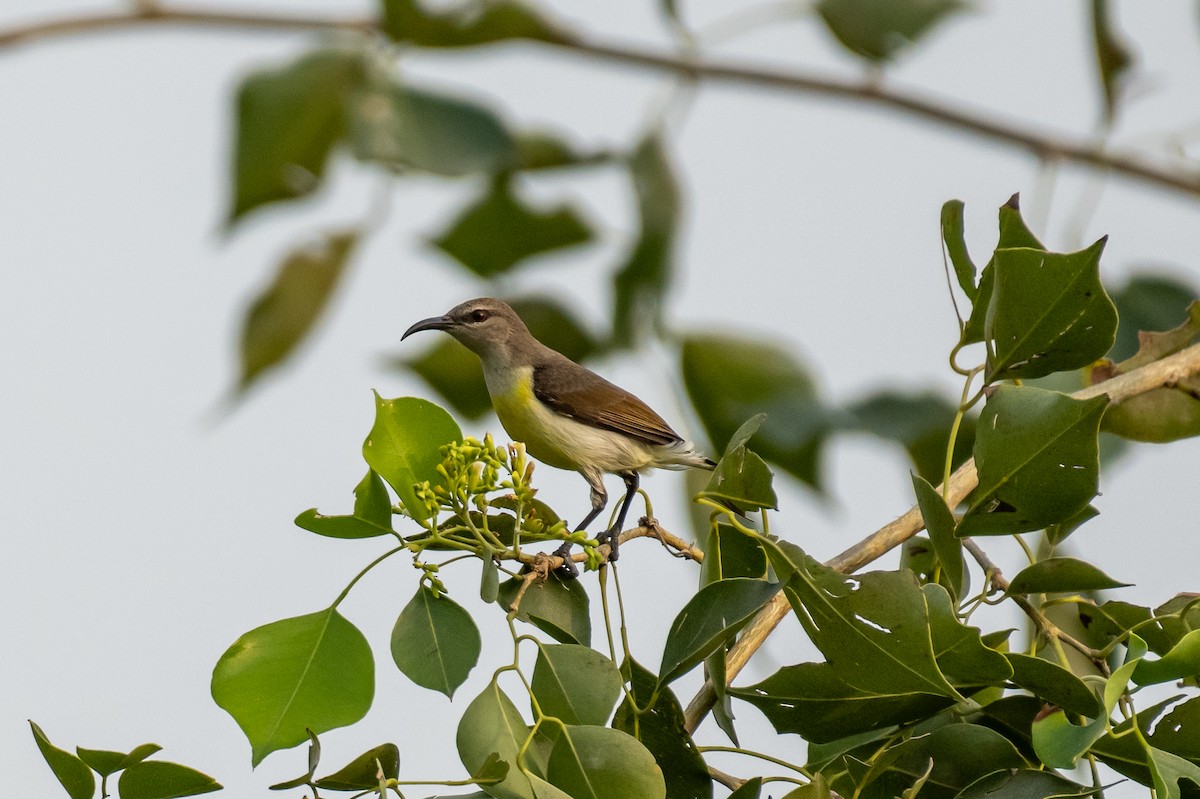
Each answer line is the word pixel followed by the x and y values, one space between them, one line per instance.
pixel 409 21
pixel 435 642
pixel 1024 783
pixel 280 680
pixel 1113 57
pixel 288 121
pixel 731 379
pixel 559 608
pixel 940 523
pixel 1013 233
pixel 575 683
pixel 285 313
pixel 1053 684
pixel 372 513
pixel 1037 453
pixel 500 230
pixel 603 763
pixel 159 779
pixel 404 445
pixel 1182 662
pixel 73 773
pixel 364 772
pixel 1049 313
pixel 492 725
pixel 918 422
pixel 641 283
pixel 106 763
pixel 1061 575
pixel 709 619
pixel 878 30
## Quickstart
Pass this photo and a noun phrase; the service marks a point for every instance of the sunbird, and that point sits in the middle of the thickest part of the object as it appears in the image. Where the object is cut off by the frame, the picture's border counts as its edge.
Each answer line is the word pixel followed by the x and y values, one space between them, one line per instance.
pixel 567 416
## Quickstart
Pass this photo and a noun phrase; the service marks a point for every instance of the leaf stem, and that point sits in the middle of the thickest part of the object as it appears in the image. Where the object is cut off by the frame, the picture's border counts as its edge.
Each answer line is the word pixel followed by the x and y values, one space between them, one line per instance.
pixel 361 574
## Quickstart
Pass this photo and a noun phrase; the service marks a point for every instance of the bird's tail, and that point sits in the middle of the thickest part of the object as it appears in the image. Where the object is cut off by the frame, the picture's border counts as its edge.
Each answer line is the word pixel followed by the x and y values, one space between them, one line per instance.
pixel 683 455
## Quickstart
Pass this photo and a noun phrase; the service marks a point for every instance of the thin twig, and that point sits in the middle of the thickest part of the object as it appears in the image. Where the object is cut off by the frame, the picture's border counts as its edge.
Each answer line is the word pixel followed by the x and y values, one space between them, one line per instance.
pixel 1169 370
pixel 1044 145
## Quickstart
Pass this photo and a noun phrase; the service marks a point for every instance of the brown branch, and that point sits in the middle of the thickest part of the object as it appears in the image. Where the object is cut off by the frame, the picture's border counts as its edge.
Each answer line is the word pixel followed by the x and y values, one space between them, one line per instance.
pixel 1169 370
pixel 1044 145
pixel 647 528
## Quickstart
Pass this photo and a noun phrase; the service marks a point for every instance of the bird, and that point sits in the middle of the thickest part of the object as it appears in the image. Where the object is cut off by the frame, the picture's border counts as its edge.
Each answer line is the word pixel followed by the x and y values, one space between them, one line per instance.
pixel 567 416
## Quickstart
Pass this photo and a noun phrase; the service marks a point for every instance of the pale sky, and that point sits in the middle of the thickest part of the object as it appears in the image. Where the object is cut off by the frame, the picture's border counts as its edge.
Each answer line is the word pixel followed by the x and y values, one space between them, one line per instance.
pixel 142 535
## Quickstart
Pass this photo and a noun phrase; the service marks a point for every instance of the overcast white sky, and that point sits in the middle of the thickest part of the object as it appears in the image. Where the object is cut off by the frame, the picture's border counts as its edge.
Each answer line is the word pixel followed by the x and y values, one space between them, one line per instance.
pixel 140 538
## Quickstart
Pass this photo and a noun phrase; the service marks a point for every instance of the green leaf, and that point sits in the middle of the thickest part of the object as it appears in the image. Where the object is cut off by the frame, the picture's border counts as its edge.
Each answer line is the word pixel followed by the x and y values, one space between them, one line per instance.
pixel 920 423
pixel 559 608
pixel 490 726
pixel 1113 57
pixel 1179 732
pixel 1061 575
pixel 372 513
pixel 709 619
pixel 872 628
pixel 1038 455
pixel 489 583
pixel 1182 662
pixel 106 763
pixel 538 149
pixel 288 121
pixel 1049 313
pixel 575 683
pixel 314 759
pixel 404 445
pixel 660 728
pixel 817 789
pixel 729 552
pixel 1013 233
pixel 809 699
pixel 1053 684
pixel 939 521
pixel 961 754
pixel 72 772
pixel 641 283
pixel 435 642
pixel 280 680
pixel 159 779
pixel 1150 302
pixel 285 313
pixel 878 30
pixel 742 480
pixel 402 127
pixel 1168 771
pixel 730 379
pixel 364 772
pixel 1057 533
pixel 751 789
pixel 959 649
pixel 468 26
pixel 1023 784
pixel 603 763
pixel 954 238
pixel 500 230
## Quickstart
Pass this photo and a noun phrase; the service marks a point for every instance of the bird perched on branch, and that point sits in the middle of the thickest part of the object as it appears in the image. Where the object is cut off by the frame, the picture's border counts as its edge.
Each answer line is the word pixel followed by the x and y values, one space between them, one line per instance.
pixel 567 416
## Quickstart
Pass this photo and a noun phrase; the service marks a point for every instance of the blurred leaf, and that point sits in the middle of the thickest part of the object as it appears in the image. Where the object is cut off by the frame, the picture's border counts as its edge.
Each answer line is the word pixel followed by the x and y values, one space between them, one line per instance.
pixel 159 779
pixel 1182 662
pixel 1061 575
pixel 1025 784
pixel 710 618
pixel 1113 58
pixel 537 149
pixel 1147 303
pixel 1037 454
pixel 282 316
pixel 500 230
pixel 72 772
pixel 920 423
pixel 363 772
pixel 603 763
pixel 879 29
pixel 731 379
pixel 1048 313
pixel 402 127
pixel 404 445
pixel 575 683
pixel 372 513
pixel 106 763
pixel 660 728
pixel 640 284
pixel 491 725
pixel 731 553
pixel 288 121
pixel 1013 233
pixel 557 607
pixel 939 521
pixel 435 643
pixel 1052 683
pixel 282 679
pixel 472 24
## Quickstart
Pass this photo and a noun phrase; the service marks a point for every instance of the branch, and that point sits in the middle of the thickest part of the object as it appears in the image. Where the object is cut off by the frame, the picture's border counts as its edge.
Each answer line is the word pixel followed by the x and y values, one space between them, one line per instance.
pixel 1169 370
pixel 1044 145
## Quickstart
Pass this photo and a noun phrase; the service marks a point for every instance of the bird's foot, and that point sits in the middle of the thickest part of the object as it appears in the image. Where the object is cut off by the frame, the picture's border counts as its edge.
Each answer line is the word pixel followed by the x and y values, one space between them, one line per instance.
pixel 568 570
pixel 612 537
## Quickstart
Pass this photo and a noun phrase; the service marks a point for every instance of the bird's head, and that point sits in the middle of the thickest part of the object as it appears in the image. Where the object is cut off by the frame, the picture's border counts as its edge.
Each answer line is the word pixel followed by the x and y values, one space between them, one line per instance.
pixel 486 326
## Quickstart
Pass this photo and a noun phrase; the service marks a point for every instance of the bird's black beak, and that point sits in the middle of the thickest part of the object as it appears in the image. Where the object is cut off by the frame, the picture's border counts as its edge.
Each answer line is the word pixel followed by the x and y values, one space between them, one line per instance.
pixel 432 323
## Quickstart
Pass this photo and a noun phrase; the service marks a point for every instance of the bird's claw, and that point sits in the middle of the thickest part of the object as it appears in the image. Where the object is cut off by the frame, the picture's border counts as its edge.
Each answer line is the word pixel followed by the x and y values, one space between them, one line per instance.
pixel 568 570
pixel 613 539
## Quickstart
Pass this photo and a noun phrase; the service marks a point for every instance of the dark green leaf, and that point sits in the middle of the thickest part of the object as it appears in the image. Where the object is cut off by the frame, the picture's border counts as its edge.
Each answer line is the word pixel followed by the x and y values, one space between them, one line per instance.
pixel 958 648
pixel 751 789
pixel 500 231
pixel 879 29
pixel 1057 533
pixel 954 238
pixel 285 313
pixel 404 445
pixel 920 423
pixel 288 122
pixel 364 772
pixel 435 642
pixel 1113 58
pixel 961 754
pixel 314 759
pixel 490 726
pixel 557 607
pixel 1053 684
pixel 106 763
pixel 1038 455
pixel 729 552
pixel 742 480
pixel 1013 233
pixel 1049 313
pixel 575 683
pixel 372 513
pixel 1023 784
pixel 72 772
pixel 282 679
pixel 939 521
pixel 1149 302
pixel 1179 732
pixel 709 619
pixel 159 779
pixel 603 763
pixel 1061 575
pixel 640 284
pixel 730 379
pixel 468 26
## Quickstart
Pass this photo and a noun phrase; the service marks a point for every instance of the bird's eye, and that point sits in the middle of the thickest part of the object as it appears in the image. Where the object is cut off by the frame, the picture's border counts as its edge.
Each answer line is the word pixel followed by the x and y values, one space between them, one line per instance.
pixel 479 316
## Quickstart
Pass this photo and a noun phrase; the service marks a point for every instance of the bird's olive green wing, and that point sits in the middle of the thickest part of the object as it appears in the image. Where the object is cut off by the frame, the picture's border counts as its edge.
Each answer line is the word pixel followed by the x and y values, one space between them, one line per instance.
pixel 584 396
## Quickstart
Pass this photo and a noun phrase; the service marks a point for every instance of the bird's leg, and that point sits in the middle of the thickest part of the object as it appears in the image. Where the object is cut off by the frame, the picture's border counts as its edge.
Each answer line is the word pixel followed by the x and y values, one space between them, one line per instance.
pixel 612 535
pixel 568 571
